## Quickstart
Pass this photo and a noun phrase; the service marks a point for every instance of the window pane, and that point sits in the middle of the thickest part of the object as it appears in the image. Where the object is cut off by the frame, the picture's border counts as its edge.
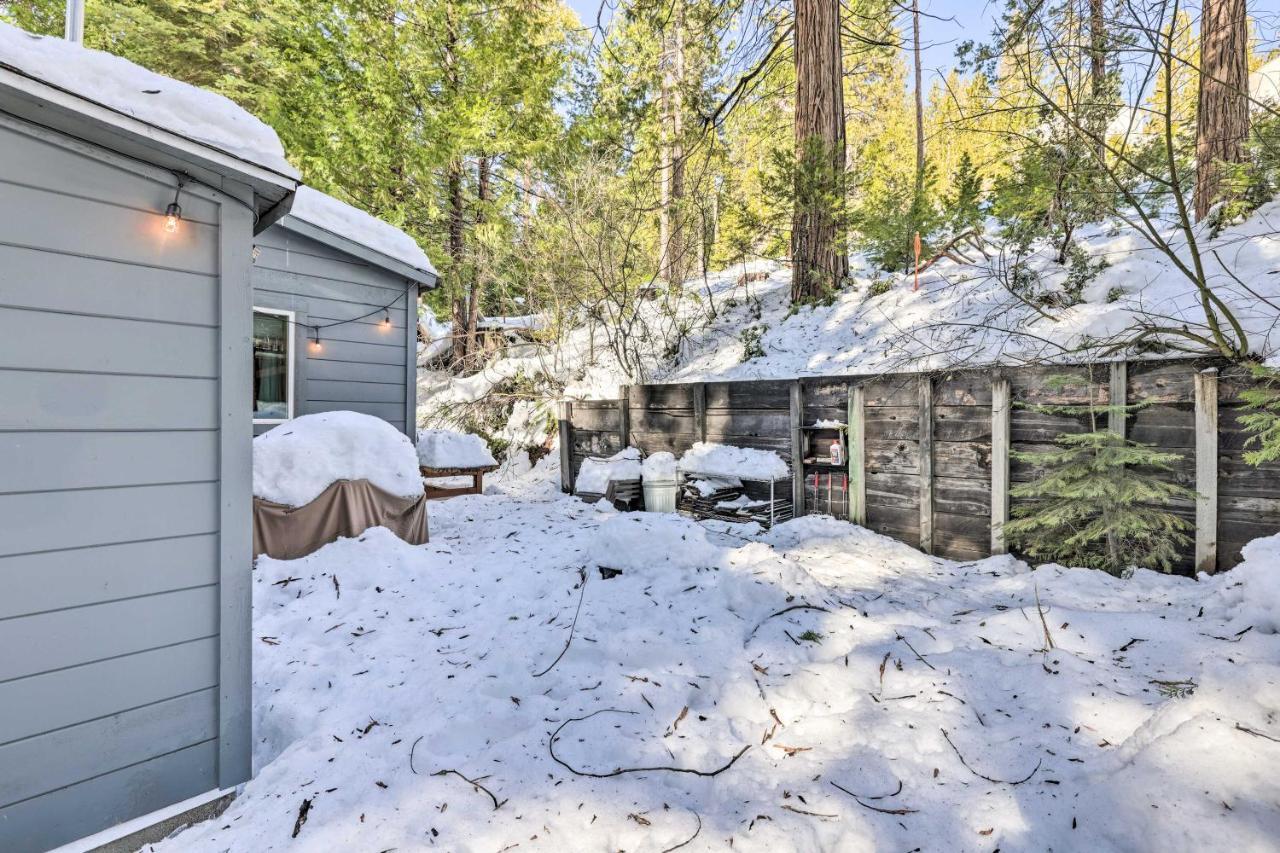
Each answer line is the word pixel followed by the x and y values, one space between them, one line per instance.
pixel 270 367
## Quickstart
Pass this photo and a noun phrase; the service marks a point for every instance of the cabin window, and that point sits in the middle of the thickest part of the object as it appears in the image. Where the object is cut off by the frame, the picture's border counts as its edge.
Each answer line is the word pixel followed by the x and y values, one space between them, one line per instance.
pixel 272 366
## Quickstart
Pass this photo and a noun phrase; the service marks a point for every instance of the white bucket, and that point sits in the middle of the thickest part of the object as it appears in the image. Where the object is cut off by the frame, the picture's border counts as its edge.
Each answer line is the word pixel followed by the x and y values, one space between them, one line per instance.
pixel 659 495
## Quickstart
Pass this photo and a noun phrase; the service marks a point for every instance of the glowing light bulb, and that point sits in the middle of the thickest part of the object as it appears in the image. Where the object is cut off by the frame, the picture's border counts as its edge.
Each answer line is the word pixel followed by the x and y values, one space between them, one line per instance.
pixel 386 320
pixel 171 216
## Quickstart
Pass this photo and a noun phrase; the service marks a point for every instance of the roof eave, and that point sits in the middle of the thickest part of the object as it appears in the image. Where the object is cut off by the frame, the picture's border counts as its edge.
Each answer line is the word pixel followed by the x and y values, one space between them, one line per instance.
pixel 58 109
pixel 425 278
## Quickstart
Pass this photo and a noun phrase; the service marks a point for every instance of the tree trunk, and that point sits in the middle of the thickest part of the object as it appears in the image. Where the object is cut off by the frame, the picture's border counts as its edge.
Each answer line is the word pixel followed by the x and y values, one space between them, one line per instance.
pixel 478 276
pixel 1098 73
pixel 915 41
pixel 457 259
pixel 671 230
pixel 1222 119
pixel 818 256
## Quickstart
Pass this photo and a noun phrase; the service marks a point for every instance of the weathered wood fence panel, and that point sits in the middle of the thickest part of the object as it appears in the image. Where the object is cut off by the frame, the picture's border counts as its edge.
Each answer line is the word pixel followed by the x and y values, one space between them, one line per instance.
pixel 952 483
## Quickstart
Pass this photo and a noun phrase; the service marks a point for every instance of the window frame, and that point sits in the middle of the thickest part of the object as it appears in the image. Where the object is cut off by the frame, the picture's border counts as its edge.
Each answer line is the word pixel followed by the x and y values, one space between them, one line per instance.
pixel 290 373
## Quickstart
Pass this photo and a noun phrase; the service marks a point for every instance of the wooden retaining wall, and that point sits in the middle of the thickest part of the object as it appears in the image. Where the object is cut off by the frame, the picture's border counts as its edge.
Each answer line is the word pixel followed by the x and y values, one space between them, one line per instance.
pixel 929 454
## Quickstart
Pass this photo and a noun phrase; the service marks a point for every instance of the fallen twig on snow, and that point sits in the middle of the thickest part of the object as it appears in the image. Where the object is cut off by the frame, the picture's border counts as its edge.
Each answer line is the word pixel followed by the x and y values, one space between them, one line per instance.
pixel 859 800
pixel 752 635
pixel 1250 731
pixel 792 808
pixel 988 778
pixel 690 839
pixel 496 805
pixel 303 811
pixel 1048 638
pixel 411 749
pixel 919 656
pixel 551 748
pixel 582 574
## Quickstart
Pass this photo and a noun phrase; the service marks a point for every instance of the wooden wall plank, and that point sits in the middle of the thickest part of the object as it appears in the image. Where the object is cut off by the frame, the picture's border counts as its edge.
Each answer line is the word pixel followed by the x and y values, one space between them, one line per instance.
pixel 1206 548
pixel 797 460
pixel 857 455
pixel 926 463
pixel 565 416
pixel 1000 421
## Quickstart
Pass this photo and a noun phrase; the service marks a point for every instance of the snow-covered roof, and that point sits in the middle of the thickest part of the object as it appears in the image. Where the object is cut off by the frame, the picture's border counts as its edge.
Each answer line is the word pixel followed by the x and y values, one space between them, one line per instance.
pixel 532 322
pixel 338 219
pixel 132 91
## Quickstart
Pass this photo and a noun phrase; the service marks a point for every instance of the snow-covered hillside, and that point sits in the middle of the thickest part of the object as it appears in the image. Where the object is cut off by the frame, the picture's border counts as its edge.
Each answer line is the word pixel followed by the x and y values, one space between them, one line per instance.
pixel 833 689
pixel 962 314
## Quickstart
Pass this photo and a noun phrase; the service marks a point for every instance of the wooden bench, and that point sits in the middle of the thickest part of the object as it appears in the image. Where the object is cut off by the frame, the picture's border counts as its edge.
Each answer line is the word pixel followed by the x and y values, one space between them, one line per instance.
pixel 476 475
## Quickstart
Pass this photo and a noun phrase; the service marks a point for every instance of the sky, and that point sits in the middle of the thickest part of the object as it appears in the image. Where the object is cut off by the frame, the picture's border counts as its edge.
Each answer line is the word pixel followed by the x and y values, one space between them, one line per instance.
pixel 947 23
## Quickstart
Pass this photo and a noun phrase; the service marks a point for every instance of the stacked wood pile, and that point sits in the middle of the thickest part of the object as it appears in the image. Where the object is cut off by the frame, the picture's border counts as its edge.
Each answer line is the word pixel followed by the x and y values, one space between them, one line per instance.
pixel 761 509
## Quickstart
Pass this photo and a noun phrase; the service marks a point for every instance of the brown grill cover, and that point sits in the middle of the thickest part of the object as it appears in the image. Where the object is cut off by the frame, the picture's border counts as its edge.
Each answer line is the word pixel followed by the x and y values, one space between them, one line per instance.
pixel 346 508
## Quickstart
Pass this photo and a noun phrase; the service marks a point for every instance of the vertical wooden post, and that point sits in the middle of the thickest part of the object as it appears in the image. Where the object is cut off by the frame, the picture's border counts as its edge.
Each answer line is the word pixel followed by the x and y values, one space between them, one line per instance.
pixel 1001 410
pixel 565 417
pixel 857 451
pixel 1117 422
pixel 926 463
pixel 1118 398
pixel 700 411
pixel 1206 385
pixel 797 449
pixel 624 415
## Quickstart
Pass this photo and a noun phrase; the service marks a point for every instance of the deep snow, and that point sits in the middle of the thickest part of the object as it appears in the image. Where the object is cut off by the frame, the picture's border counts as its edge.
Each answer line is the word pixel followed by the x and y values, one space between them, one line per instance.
pixel 338 217
pixel 132 90
pixel 378 665
pixel 297 460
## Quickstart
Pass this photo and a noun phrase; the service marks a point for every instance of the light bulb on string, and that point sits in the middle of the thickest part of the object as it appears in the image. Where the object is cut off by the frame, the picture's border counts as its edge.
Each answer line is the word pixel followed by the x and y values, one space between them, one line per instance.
pixel 386 319
pixel 173 213
pixel 316 346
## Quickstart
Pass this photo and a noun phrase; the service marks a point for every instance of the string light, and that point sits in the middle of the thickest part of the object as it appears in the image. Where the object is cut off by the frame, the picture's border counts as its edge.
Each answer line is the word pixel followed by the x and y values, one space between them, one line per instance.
pixel 315 342
pixel 173 213
pixel 386 320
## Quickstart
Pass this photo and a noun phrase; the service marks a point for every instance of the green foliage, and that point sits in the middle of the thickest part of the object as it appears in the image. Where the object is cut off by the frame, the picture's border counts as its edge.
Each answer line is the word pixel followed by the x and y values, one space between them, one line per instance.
pixel 1255 181
pixel 963 206
pixel 1262 421
pixel 751 342
pixel 890 214
pixel 1098 500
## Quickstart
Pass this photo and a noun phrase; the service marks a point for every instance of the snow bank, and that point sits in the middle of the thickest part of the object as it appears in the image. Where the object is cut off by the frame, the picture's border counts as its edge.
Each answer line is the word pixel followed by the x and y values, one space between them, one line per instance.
pixel 119 85
pixel 442 448
pixel 725 460
pixel 297 460
pixel 438 334
pixel 829 653
pixel 1251 595
pixel 595 474
pixel 338 217
pixel 659 466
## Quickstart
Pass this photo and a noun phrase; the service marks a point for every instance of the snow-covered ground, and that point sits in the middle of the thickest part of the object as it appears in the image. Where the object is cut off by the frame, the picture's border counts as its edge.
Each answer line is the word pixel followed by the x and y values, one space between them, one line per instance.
pixel 834 690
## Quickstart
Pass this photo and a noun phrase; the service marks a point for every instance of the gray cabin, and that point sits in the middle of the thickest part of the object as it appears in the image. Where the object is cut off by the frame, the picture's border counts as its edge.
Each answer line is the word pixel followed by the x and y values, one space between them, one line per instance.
pixel 335 295
pixel 128 208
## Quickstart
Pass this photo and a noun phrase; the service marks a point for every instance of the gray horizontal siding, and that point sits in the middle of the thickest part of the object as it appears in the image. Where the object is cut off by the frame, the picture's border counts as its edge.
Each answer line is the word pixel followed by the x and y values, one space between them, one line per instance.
pixel 51 580
pixel 101 631
pixel 110 513
pixel 49 220
pixel 44 461
pixel 362 366
pixel 55 700
pixel 68 755
pixel 45 521
pixel 106 288
pixel 87 807
pixel 40 340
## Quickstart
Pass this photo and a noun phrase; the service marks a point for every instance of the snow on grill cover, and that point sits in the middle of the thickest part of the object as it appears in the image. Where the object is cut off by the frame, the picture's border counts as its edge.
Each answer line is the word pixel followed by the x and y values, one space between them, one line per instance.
pixel 297 460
